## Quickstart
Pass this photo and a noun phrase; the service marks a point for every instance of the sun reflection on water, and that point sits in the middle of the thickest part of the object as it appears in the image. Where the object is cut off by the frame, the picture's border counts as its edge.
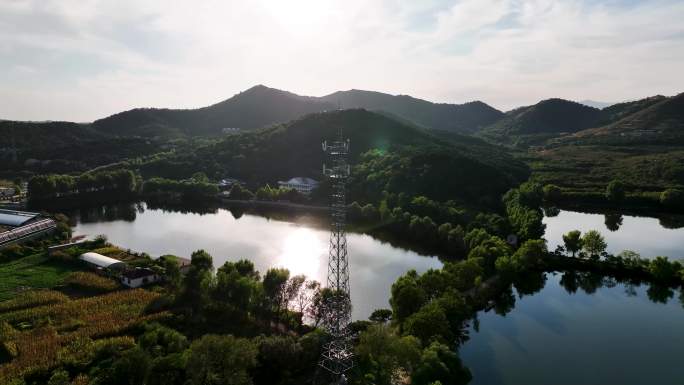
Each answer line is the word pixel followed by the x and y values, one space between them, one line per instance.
pixel 302 252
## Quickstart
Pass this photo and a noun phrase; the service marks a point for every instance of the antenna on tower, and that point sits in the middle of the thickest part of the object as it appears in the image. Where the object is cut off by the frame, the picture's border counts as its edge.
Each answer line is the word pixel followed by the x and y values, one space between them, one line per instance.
pixel 337 357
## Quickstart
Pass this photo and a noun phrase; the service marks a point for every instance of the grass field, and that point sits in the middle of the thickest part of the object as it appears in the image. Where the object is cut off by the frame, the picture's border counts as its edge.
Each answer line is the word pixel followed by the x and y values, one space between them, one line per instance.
pixel 36 271
pixel 591 168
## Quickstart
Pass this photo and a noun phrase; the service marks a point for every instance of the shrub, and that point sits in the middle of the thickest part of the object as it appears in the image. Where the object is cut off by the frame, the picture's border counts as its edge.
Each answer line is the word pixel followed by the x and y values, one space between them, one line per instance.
pixel 615 191
pixel 552 193
pixel 672 198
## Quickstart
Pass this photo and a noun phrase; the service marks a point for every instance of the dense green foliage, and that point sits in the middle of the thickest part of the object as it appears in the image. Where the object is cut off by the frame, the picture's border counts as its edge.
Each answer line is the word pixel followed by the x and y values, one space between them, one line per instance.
pixel 187 190
pixel 104 183
pixel 522 207
pixel 29 148
pixel 281 152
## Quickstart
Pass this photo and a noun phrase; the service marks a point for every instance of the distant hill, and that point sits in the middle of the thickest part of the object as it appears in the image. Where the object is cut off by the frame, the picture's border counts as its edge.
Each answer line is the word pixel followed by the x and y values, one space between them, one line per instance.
pixel 62 147
pixel 43 134
pixel 650 120
pixel 548 118
pixel 621 110
pixel 257 107
pixel 463 118
pixel 405 156
pixel 261 106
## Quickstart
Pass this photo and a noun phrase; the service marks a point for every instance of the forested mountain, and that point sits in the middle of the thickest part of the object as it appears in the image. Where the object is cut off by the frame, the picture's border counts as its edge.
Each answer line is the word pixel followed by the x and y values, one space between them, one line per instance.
pixel 63 147
pixel 548 117
pixel 43 134
pixel 261 106
pixel 651 120
pixel 257 107
pixel 463 118
pixel 403 157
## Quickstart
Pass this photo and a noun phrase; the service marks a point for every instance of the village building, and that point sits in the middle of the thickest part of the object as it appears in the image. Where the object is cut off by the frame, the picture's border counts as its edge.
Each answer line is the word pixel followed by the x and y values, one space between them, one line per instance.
pixel 302 185
pixel 138 277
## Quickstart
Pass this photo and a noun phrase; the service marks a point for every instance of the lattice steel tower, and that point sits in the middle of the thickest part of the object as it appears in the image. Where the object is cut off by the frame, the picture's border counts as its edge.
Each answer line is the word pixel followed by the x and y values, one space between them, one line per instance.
pixel 337 354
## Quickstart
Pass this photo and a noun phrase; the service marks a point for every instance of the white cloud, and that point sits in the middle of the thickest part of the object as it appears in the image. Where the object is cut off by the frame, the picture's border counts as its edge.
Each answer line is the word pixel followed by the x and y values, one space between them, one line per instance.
pixel 81 60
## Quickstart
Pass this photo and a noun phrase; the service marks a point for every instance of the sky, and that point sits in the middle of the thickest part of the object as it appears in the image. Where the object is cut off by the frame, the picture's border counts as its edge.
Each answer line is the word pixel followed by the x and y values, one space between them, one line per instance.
pixel 80 60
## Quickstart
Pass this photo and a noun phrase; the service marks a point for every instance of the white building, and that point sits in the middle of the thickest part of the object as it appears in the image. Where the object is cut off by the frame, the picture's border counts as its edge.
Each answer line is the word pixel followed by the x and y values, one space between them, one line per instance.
pixel 100 262
pixel 301 184
pixel 139 277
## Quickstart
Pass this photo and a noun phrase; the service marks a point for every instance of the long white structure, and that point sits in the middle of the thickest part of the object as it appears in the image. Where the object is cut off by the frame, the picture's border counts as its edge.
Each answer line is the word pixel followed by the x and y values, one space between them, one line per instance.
pixel 303 185
pixel 100 261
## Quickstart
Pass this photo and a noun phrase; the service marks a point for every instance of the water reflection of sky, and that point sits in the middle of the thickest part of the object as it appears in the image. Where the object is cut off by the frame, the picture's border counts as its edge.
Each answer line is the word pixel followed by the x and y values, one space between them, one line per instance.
pixel 268 243
pixel 643 235
pixel 554 337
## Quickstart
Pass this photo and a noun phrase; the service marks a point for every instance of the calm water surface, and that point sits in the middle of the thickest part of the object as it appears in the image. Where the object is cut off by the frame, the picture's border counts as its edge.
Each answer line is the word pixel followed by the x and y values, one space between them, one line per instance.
pixel 550 337
pixel 553 337
pixel 641 234
pixel 268 243
pixel 606 337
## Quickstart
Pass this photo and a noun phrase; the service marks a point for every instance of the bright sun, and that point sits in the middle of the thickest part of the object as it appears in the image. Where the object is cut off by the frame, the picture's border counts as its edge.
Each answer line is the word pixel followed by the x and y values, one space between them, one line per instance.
pixel 302 252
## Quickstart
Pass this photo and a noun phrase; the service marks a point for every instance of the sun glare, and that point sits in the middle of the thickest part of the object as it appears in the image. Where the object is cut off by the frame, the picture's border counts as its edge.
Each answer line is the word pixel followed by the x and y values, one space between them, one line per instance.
pixel 301 253
pixel 298 15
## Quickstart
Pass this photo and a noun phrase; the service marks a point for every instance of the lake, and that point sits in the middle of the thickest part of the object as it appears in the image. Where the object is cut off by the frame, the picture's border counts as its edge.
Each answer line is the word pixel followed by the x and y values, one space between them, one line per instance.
pixel 300 247
pixel 602 337
pixel 550 337
pixel 641 234
pixel 553 337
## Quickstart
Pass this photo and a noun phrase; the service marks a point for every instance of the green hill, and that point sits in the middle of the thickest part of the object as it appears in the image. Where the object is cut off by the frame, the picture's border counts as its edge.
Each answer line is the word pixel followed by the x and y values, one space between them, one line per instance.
pixel 546 119
pixel 261 106
pixel 655 120
pixel 464 118
pixel 257 107
pixel 63 147
pixel 405 158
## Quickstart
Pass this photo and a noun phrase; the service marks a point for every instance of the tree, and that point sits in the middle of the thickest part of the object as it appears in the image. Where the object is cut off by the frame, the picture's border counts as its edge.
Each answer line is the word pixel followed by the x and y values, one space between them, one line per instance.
pixel 531 254
pixel 131 369
pixel 552 193
pixel 573 241
pixel 221 360
pixel 407 296
pixel 167 370
pixel 59 377
pixel 462 275
pixel 488 251
pixel 593 243
pixel 475 237
pixel 198 281
pixel 663 270
pixel 382 355
pixel 381 315
pixel 531 194
pixel 200 177
pixel 238 192
pixel 172 273
pixel 613 221
pixel 159 340
pixel 672 198
pixel 439 363
pixel 275 283
pixel 430 323
pixel 615 191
